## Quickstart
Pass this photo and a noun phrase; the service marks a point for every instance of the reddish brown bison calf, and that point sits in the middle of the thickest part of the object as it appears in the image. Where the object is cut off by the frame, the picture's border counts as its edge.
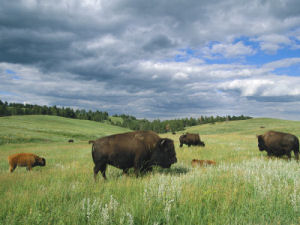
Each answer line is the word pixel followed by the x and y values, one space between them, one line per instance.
pixel 25 159
pixel 199 162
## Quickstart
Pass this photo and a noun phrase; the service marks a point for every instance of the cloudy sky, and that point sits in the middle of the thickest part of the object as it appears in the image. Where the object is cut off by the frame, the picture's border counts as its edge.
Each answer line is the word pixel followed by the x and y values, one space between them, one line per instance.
pixel 153 59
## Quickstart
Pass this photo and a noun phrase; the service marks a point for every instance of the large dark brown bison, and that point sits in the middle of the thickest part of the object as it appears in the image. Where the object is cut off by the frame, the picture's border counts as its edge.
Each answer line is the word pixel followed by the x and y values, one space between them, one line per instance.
pixel 278 144
pixel 139 149
pixel 190 139
pixel 25 159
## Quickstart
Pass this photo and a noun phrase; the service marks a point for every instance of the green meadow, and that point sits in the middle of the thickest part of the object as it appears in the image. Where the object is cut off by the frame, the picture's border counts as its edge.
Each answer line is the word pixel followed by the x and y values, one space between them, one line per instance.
pixel 245 187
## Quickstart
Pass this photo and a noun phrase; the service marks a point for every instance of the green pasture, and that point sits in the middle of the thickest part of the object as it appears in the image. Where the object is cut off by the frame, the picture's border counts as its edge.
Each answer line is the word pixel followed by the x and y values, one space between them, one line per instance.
pixel 44 129
pixel 245 187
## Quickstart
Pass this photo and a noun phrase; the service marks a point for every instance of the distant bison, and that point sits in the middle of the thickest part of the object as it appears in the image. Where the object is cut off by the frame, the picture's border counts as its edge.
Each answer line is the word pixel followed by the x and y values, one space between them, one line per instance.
pixel 278 144
pixel 198 162
pixel 91 142
pixel 71 141
pixel 139 149
pixel 25 159
pixel 190 139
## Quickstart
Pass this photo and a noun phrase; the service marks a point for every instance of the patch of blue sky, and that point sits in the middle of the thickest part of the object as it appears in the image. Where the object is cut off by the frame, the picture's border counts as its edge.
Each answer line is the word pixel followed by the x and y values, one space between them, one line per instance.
pixel 261 58
pixel 222 60
pixel 6 93
pixel 15 77
pixel 185 56
pixel 258 59
pixel 293 70
pixel 182 58
pixel 13 74
pixel 8 71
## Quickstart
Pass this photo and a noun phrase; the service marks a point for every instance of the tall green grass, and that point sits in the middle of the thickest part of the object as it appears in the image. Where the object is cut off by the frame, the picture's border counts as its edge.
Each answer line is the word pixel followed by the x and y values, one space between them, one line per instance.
pixel 245 187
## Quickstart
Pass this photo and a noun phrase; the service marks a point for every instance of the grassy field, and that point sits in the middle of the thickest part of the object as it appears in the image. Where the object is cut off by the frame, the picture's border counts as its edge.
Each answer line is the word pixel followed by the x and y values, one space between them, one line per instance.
pixel 245 187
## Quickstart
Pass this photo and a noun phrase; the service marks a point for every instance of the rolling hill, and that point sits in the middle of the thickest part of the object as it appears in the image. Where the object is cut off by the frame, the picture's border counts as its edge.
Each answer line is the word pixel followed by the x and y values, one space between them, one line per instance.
pixel 245 187
pixel 41 129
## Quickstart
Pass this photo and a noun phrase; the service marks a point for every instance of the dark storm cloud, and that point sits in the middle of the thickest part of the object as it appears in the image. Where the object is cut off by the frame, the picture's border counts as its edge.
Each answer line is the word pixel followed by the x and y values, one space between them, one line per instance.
pixel 158 43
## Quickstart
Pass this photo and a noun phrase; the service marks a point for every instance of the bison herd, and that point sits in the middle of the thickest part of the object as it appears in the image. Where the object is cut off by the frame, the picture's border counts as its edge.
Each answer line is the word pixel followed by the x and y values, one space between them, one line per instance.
pixel 142 150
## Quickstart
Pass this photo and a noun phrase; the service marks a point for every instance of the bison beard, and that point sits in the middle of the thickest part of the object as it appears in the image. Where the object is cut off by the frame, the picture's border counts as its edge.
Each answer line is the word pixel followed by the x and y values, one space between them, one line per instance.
pixel 139 149
pixel 278 144
pixel 25 159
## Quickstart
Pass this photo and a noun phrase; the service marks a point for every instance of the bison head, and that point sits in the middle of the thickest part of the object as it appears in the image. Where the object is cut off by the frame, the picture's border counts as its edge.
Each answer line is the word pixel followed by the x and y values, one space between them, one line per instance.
pixel 182 137
pixel 261 143
pixel 40 161
pixel 164 154
pixel 201 143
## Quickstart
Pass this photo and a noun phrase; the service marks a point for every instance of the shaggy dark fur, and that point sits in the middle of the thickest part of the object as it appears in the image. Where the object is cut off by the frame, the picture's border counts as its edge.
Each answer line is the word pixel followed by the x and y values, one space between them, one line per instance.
pixel 278 144
pixel 139 149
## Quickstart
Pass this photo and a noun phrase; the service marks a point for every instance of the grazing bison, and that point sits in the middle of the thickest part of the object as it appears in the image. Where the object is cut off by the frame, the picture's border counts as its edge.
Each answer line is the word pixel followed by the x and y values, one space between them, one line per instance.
pixel 139 149
pixel 25 159
pixel 278 144
pixel 190 139
pixel 71 141
pixel 199 162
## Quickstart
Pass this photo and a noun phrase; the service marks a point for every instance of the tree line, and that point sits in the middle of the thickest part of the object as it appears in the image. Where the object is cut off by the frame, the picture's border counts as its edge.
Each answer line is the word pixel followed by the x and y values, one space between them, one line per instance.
pixel 11 109
pixel 163 126
pixel 127 121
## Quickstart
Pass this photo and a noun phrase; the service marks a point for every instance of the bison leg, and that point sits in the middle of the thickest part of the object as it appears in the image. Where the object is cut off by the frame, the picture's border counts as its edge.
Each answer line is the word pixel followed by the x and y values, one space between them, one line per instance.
pixel 103 170
pixel 28 168
pixel 147 169
pixel 138 164
pixel 96 170
pixel 137 171
pixel 181 145
pixel 99 167
pixel 296 153
pixel 289 155
pixel 125 171
pixel 12 168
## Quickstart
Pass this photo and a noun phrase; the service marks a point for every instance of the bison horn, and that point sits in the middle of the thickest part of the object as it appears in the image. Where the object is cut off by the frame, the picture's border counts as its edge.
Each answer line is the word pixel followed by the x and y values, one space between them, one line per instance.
pixel 162 141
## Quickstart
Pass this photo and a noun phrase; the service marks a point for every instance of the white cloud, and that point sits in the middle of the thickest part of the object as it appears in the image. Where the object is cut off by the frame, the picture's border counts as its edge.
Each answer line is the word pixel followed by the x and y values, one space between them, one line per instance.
pixel 282 63
pixel 229 50
pixel 272 42
pixel 102 42
pixel 266 87
pixel 247 87
pixel 181 76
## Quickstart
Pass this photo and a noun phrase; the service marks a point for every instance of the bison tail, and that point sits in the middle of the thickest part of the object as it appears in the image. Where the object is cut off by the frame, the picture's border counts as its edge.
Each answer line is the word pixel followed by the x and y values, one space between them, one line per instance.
pixel 297 144
pixel 296 148
pixel 93 150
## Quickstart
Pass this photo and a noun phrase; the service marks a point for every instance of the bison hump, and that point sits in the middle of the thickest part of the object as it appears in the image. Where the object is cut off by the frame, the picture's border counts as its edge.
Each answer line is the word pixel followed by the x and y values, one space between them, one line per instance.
pixel 139 137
